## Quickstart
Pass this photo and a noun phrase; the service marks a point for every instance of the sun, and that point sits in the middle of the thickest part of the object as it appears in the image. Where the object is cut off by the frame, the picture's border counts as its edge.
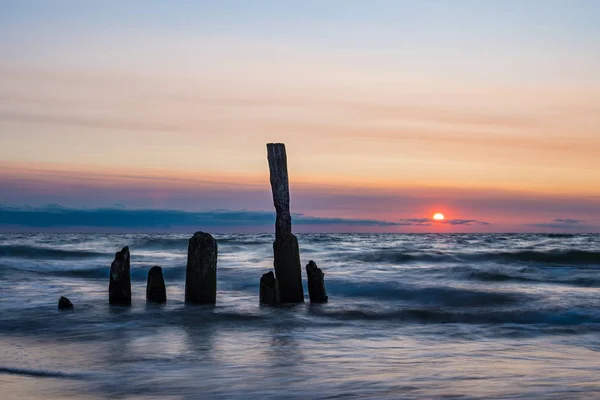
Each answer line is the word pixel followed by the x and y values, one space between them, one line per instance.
pixel 438 217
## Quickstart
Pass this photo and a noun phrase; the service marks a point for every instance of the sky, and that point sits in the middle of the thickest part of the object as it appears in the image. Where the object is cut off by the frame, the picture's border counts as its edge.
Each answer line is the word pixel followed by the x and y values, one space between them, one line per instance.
pixel 391 111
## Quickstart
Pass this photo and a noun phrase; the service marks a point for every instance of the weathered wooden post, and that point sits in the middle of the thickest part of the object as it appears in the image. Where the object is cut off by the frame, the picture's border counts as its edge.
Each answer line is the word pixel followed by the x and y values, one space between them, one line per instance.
pixel 155 288
pixel 119 288
pixel 269 289
pixel 316 283
pixel 201 270
pixel 287 256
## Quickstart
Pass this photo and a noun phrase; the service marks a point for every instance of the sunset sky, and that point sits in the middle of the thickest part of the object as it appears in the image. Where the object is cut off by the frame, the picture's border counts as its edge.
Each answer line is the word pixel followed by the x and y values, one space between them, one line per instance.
pixel 391 111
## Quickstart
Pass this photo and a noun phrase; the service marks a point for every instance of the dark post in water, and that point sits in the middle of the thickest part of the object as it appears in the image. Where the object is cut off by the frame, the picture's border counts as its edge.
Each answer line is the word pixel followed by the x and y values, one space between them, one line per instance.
pixel 269 289
pixel 201 271
pixel 316 283
pixel 64 304
pixel 119 288
pixel 287 256
pixel 155 288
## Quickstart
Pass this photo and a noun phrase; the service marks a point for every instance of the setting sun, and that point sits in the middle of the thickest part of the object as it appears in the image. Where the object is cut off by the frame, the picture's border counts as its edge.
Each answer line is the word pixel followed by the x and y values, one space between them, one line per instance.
pixel 438 217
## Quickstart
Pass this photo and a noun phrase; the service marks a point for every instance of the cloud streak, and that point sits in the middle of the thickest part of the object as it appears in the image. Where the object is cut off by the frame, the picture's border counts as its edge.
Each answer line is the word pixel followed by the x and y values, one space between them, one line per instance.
pixel 505 211
pixel 431 222
pixel 118 218
pixel 55 217
pixel 563 223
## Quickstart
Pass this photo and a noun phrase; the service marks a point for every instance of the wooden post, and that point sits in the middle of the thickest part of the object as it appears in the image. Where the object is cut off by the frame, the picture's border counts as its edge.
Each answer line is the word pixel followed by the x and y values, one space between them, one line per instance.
pixel 316 283
pixel 156 291
pixel 287 256
pixel 201 270
pixel 269 289
pixel 119 288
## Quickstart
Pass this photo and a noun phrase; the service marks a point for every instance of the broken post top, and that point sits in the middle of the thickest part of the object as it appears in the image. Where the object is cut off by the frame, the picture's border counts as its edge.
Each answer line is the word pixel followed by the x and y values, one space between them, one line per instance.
pixel 122 255
pixel 280 187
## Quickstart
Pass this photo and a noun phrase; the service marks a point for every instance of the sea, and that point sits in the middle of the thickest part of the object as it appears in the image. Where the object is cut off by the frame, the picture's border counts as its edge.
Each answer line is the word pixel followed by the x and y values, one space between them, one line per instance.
pixel 410 316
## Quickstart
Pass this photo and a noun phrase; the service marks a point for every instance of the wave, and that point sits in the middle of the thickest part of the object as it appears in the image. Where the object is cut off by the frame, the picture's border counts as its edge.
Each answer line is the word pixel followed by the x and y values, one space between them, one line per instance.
pixel 393 256
pixel 105 319
pixel 245 242
pixel 181 243
pixel 428 315
pixel 136 273
pixel 44 253
pixel 443 296
pixel 495 276
pixel 553 257
pixel 159 243
pixel 526 256
pixel 32 252
pixel 40 373
pixel 492 276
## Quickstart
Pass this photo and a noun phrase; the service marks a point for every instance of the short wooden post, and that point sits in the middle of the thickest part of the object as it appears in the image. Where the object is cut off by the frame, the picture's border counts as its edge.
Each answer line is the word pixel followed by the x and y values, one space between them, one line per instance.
pixel 269 289
pixel 316 283
pixel 156 291
pixel 119 288
pixel 201 270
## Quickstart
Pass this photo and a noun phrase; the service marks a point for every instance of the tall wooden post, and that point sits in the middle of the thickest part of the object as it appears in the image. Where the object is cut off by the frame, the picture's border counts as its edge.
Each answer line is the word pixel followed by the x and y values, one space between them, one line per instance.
pixel 287 255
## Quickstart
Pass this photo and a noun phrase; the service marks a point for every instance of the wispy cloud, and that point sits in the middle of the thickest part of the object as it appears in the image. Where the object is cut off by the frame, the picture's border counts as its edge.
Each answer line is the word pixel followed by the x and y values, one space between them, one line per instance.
pixel 416 222
pixel 466 222
pixel 562 223
pixel 568 221
pixel 302 219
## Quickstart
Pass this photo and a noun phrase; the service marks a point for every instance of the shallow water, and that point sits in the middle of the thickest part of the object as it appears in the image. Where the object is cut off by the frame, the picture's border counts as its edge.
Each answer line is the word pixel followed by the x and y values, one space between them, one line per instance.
pixel 410 316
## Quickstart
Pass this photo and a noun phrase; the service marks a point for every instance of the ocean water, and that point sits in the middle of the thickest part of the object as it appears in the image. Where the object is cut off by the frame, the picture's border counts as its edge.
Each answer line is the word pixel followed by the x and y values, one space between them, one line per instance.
pixel 410 316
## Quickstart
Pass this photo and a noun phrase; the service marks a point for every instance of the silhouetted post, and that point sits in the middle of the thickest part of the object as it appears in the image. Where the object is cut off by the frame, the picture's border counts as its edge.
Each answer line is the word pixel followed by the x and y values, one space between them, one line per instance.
pixel 64 304
pixel 155 288
pixel 287 256
pixel 269 289
pixel 316 283
pixel 119 288
pixel 201 271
